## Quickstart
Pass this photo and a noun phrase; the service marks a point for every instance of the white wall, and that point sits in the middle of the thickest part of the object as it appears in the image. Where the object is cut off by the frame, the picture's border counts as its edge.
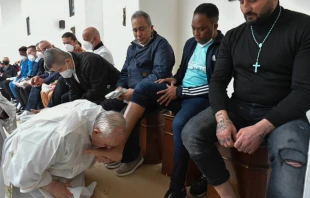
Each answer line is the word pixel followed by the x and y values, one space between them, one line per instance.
pixel 94 15
pixel 44 23
pixel 164 15
pixel 116 36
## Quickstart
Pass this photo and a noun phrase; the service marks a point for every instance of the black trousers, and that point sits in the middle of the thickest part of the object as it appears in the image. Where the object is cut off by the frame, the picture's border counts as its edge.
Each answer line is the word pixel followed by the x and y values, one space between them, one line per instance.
pixel 60 94
pixel 7 89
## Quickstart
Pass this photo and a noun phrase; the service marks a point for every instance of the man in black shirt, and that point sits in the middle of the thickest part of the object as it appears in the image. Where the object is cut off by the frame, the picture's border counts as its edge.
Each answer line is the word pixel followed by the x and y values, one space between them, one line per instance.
pixel 269 57
pixel 87 74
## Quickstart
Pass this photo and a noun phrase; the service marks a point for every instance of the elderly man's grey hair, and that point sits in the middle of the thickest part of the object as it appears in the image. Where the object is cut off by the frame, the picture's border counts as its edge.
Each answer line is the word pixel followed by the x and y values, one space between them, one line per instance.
pixel 143 14
pixel 109 122
pixel 56 57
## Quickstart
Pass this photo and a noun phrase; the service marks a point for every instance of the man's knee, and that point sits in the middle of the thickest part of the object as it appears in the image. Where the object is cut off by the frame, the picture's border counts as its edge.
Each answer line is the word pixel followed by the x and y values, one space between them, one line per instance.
pixel 143 87
pixel 293 157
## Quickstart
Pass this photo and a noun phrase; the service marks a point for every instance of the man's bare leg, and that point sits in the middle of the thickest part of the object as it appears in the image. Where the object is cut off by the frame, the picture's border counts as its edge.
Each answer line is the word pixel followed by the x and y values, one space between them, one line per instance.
pixel 132 114
pixel 226 190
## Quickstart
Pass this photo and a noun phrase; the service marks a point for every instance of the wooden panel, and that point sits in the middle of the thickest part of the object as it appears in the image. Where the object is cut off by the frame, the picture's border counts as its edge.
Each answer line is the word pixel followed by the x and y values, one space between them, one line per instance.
pixel 151 137
pixel 193 172
pixel 248 173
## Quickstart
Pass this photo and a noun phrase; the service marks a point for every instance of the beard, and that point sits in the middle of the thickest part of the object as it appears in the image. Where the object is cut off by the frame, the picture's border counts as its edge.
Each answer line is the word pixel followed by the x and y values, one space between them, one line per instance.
pixel 260 17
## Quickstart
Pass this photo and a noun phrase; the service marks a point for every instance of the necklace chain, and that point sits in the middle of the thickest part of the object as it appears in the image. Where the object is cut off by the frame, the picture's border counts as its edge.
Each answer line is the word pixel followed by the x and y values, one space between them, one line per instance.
pixel 260 45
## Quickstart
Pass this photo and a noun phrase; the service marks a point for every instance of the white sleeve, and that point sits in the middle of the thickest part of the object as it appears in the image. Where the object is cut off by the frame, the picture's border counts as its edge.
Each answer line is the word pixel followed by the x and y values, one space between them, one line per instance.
pixel 107 56
pixel 28 169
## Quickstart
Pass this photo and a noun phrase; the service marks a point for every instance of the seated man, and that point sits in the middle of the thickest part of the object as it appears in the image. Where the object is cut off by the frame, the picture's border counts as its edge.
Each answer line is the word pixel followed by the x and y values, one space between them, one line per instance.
pixel 6 71
pixel 34 98
pixel 25 70
pixel 270 100
pixel 44 156
pixel 92 42
pixel 149 58
pixel 87 74
pixel 71 44
pixel 186 93
pixel 24 86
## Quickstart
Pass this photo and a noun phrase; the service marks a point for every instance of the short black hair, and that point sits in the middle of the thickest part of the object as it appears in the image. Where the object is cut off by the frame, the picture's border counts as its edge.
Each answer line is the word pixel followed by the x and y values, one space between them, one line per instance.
pixel 22 49
pixel 69 34
pixel 32 47
pixel 208 9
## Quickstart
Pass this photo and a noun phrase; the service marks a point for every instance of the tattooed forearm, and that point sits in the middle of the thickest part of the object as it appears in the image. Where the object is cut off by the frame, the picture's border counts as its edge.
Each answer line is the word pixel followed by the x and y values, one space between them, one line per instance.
pixel 222 124
pixel 262 136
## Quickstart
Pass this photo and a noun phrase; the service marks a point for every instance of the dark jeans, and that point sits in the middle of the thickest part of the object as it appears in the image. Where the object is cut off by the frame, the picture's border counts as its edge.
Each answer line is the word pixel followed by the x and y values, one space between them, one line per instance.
pixel 60 94
pixel 22 95
pixel 289 141
pixel 145 94
pixel 34 99
pixel 7 89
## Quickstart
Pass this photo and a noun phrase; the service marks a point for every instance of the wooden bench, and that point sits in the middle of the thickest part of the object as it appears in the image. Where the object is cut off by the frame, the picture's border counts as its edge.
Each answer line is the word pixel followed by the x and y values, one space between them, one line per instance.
pixel 193 172
pixel 249 174
pixel 152 137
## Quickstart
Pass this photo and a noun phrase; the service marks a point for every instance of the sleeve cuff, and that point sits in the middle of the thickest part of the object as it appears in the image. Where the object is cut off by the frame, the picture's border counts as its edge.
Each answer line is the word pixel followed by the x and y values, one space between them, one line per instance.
pixel 179 91
pixel 276 117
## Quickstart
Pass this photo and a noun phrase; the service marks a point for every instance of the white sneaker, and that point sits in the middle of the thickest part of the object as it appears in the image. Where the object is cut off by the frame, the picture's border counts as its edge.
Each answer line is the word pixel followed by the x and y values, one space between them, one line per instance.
pixel 25 113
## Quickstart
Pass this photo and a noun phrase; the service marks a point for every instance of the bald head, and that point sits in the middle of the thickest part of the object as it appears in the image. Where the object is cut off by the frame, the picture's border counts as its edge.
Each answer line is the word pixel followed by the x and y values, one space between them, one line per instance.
pixel 92 36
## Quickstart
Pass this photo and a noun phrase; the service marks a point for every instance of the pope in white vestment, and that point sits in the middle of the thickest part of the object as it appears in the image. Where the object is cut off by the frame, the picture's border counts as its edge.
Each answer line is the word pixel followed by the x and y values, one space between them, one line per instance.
pixel 49 147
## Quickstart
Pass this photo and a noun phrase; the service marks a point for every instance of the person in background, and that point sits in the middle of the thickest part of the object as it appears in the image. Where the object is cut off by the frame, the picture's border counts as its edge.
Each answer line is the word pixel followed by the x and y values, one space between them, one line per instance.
pixel 71 44
pixel 25 70
pixel 6 71
pixel 93 43
pixel 47 77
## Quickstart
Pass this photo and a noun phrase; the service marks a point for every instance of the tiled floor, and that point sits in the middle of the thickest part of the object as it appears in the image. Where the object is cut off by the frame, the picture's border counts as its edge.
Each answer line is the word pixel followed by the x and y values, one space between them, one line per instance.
pixel 146 182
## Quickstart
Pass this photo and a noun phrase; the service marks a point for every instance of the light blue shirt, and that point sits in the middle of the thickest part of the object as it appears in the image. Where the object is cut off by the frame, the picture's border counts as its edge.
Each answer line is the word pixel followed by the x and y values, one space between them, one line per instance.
pixel 196 75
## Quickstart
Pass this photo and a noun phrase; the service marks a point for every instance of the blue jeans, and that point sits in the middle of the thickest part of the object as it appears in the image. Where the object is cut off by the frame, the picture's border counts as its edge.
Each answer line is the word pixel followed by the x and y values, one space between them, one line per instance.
pixel 288 142
pixel 12 86
pixel 145 94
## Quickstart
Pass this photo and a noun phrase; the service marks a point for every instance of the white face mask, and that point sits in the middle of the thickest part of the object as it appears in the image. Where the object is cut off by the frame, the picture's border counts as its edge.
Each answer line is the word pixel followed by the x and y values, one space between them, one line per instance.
pixel 31 57
pixel 67 73
pixel 69 48
pixel 40 54
pixel 87 45
pixel 23 58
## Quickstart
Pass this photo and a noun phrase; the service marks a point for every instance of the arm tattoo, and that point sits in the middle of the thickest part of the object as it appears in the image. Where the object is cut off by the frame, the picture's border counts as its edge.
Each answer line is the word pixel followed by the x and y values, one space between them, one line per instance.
pixel 228 139
pixel 222 124
pixel 261 136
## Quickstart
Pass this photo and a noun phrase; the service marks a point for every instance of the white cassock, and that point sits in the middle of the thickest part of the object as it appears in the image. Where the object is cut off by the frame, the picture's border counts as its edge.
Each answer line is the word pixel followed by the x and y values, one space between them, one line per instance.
pixel 50 146
pixel 9 124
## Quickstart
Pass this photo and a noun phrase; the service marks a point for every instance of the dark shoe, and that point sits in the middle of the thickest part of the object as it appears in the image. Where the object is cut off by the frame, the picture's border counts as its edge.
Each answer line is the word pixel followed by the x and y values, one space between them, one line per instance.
pixel 199 188
pixel 172 194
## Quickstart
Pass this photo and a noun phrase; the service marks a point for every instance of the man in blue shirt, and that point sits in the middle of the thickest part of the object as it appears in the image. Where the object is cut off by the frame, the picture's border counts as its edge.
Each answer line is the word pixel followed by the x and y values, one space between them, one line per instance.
pixel 149 58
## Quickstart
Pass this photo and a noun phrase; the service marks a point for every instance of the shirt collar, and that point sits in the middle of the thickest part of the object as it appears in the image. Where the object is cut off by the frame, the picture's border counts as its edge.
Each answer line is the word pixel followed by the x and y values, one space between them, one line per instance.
pixel 98 46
